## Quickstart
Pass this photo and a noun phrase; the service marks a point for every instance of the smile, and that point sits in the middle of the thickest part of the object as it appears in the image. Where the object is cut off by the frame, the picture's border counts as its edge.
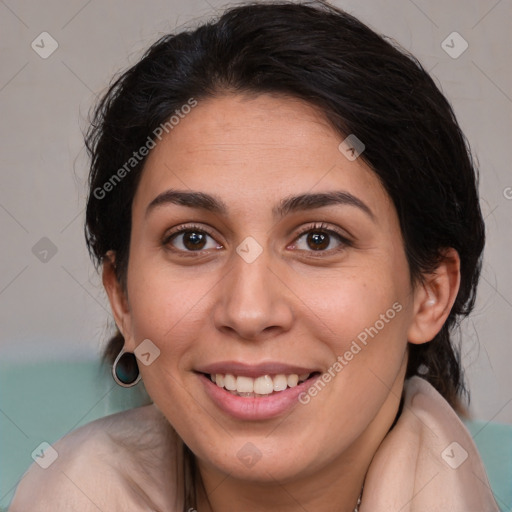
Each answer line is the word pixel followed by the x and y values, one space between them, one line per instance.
pixel 255 392
pixel 264 385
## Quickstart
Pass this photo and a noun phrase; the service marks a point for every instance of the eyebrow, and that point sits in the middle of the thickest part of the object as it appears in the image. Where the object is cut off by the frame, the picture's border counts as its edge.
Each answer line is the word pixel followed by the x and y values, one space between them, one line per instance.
pixel 203 201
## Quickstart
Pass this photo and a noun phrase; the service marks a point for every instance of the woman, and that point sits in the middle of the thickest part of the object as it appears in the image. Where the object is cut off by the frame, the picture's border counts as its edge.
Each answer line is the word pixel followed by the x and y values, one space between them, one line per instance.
pixel 286 215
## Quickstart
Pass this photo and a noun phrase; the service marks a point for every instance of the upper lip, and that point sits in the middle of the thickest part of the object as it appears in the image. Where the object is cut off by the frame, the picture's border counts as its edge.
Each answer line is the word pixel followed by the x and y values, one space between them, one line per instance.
pixel 253 370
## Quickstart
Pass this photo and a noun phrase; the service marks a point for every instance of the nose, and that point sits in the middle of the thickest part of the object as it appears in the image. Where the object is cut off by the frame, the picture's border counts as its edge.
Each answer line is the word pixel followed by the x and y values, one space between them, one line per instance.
pixel 254 301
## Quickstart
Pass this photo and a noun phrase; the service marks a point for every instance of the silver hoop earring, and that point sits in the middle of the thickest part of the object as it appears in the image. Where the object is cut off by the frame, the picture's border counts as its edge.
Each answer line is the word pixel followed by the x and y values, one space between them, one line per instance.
pixel 125 369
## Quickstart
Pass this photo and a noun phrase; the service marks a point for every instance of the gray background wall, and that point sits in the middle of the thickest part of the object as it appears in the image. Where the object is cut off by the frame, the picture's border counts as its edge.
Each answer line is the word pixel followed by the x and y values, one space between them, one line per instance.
pixel 52 305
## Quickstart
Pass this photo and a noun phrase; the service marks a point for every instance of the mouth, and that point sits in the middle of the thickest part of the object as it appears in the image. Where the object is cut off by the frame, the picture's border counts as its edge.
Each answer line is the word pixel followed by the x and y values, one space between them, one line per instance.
pixel 255 393
pixel 258 387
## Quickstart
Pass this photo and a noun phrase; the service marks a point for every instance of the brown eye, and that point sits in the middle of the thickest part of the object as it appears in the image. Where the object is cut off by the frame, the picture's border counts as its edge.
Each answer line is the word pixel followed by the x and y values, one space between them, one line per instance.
pixel 317 240
pixel 190 239
pixel 194 240
pixel 320 239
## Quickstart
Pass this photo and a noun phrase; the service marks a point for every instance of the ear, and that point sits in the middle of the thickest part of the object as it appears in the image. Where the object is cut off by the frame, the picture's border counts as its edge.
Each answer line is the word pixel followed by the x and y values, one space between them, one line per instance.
pixel 117 297
pixel 434 298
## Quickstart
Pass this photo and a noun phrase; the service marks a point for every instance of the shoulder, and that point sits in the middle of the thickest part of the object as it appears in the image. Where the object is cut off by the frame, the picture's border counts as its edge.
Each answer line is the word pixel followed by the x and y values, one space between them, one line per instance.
pixel 115 462
pixel 428 448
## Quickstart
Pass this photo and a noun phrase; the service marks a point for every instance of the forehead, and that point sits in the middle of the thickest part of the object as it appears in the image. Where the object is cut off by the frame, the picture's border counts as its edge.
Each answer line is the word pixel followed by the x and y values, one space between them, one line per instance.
pixel 249 148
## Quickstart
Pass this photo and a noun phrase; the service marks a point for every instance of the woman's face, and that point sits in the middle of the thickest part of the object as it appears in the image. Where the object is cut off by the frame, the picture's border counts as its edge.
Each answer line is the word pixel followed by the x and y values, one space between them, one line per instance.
pixel 267 280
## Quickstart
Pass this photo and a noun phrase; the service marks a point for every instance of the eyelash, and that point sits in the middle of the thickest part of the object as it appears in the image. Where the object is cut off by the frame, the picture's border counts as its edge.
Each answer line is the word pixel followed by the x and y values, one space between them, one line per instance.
pixel 324 228
pixel 316 227
pixel 183 229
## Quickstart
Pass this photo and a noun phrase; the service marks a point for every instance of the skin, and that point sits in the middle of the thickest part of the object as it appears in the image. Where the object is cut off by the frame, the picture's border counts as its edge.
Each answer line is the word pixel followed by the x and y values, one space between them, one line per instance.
pixel 293 304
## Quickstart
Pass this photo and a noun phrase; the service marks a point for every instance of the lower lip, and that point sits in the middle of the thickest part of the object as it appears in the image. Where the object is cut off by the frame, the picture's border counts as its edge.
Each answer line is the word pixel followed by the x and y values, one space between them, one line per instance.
pixel 254 408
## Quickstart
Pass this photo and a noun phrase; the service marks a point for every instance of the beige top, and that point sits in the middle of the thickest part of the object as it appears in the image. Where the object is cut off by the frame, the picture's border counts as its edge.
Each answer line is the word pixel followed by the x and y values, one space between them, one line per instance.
pixel 427 463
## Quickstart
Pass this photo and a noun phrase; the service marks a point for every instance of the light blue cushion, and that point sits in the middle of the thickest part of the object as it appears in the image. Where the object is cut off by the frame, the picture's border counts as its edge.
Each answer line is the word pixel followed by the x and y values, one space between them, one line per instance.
pixel 494 442
pixel 44 401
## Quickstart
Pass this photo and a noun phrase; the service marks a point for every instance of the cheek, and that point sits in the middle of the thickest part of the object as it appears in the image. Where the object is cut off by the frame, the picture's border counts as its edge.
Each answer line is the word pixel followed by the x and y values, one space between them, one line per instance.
pixel 346 305
pixel 166 306
pixel 363 322
pixel 362 318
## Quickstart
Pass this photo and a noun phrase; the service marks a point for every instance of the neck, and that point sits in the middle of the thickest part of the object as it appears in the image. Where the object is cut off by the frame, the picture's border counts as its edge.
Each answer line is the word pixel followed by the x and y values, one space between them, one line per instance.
pixel 317 492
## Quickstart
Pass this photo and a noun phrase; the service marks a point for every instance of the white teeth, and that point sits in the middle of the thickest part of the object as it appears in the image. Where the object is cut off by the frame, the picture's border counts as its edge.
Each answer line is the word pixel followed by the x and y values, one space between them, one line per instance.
pixel 293 380
pixel 244 384
pixel 230 382
pixel 264 385
pixel 280 382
